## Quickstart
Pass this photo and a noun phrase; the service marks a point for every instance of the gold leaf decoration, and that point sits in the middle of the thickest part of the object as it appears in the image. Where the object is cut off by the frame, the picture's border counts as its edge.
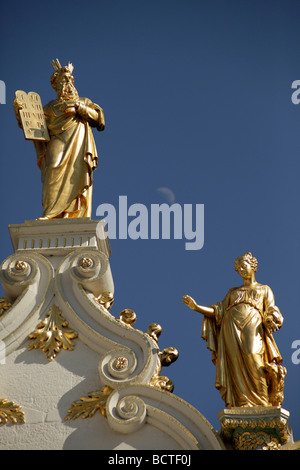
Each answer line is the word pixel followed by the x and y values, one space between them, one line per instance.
pixel 52 334
pixel 106 300
pixel 5 304
pixel 10 412
pixel 86 407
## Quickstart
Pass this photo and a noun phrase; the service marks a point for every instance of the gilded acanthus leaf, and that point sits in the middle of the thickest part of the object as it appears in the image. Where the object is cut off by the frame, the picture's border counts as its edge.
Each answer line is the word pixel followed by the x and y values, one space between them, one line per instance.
pixel 10 412
pixel 5 304
pixel 86 407
pixel 52 334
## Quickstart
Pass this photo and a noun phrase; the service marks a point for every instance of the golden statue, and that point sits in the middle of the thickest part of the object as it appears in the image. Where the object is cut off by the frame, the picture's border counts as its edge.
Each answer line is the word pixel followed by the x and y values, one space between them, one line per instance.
pixel 238 331
pixel 69 157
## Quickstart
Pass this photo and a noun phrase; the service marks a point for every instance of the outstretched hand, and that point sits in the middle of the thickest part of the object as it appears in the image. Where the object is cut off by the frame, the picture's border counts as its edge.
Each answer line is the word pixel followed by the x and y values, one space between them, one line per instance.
pixel 189 301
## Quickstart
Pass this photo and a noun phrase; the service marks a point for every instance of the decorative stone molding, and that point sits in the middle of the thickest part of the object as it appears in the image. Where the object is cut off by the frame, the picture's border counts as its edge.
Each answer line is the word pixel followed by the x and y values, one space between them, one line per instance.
pixel 128 409
pixel 30 291
pixel 72 278
pixel 255 428
pixel 58 287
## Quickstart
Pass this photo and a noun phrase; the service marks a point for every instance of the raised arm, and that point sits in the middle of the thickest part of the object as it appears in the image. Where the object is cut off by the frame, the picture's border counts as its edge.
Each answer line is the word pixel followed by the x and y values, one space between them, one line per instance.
pixel 190 302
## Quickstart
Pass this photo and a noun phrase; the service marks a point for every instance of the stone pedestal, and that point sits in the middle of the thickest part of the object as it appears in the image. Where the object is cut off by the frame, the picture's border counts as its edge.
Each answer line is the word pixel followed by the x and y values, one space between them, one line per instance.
pixel 257 428
pixel 59 236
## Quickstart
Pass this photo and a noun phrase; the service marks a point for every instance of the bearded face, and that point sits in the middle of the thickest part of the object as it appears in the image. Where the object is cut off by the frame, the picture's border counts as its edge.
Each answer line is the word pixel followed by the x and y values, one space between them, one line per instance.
pixel 65 88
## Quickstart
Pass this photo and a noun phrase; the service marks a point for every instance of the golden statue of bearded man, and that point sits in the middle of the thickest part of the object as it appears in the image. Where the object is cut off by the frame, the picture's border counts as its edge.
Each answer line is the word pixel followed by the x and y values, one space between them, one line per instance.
pixel 67 161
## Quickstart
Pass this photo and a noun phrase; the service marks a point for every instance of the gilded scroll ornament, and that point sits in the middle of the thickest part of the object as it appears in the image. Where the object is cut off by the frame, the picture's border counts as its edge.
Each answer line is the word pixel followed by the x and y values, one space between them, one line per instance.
pixel 10 412
pixel 52 334
pixel 67 156
pixel 239 332
pixel 86 407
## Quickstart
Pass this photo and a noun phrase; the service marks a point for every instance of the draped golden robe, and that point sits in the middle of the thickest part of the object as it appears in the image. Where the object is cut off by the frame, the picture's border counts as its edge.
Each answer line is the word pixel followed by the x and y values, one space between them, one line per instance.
pixel 68 159
pixel 241 345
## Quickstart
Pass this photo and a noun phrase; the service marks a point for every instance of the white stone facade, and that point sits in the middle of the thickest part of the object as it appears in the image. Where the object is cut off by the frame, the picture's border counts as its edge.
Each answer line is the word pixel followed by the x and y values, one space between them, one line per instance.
pixel 64 265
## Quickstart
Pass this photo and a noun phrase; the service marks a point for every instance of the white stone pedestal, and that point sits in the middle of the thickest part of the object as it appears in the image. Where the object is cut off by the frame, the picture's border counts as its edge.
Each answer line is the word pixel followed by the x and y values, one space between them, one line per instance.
pixel 59 236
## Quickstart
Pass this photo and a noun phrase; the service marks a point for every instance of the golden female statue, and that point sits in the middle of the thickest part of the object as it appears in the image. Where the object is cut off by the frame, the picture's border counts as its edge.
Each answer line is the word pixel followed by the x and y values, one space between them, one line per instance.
pixel 69 158
pixel 238 331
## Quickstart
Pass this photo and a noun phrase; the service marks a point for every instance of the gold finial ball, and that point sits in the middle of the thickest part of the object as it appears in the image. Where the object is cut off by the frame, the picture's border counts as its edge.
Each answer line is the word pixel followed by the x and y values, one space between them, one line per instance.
pixel 127 316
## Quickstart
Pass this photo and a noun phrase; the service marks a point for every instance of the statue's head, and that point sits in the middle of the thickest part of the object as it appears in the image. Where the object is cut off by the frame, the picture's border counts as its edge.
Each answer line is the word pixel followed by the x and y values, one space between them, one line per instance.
pixel 246 264
pixel 62 81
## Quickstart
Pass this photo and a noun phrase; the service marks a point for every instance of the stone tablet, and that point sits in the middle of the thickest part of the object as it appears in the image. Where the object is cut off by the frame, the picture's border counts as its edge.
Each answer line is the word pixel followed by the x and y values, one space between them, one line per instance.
pixel 32 116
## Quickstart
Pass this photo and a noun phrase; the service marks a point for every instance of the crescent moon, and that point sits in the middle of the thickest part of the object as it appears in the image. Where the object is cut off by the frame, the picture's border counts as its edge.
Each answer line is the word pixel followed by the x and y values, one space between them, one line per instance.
pixel 168 194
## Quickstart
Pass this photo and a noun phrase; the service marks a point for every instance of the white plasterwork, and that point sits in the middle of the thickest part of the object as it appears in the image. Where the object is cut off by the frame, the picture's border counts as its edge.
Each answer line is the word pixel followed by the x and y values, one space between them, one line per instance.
pixel 66 264
pixel 129 408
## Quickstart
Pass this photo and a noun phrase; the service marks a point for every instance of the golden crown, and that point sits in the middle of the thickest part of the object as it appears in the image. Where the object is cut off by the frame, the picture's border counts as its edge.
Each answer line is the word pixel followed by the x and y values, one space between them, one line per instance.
pixel 57 67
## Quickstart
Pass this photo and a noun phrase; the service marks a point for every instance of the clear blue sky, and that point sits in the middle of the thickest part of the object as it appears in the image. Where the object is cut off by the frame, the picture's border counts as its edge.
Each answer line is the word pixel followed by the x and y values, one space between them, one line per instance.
pixel 197 99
